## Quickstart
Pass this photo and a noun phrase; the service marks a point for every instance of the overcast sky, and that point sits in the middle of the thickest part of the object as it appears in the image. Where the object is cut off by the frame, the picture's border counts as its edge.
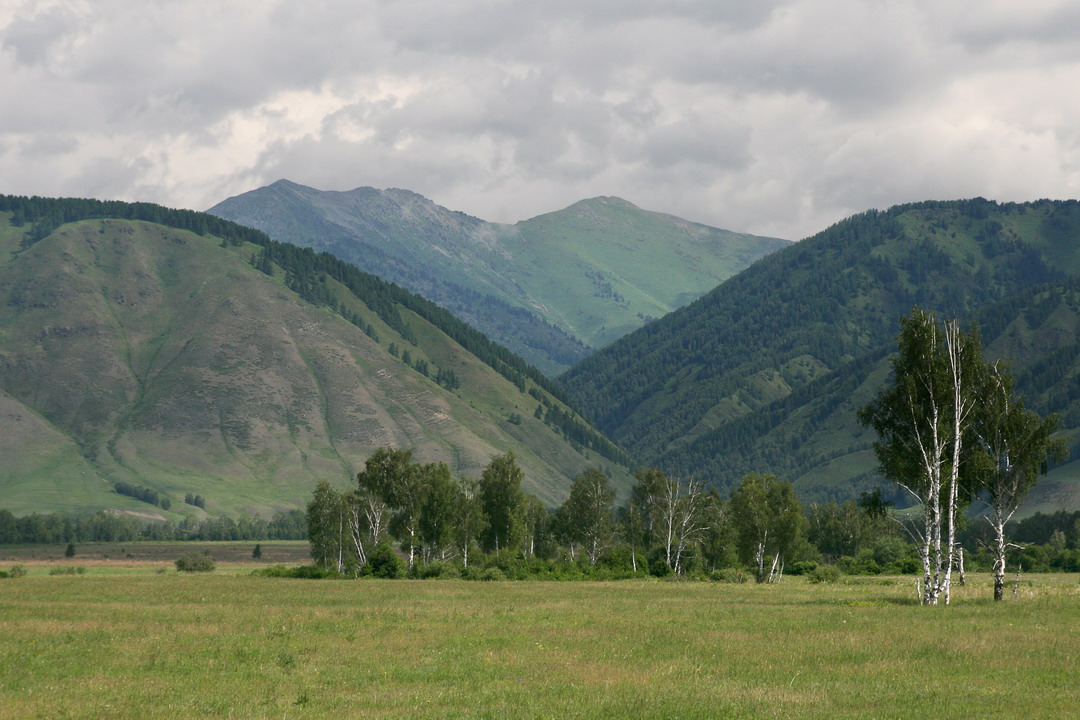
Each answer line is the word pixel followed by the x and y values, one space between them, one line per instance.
pixel 763 116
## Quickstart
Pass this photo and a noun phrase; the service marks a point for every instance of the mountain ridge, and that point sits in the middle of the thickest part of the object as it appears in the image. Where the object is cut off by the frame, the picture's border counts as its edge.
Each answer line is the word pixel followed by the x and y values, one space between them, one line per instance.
pixel 203 357
pixel 552 287
pixel 764 372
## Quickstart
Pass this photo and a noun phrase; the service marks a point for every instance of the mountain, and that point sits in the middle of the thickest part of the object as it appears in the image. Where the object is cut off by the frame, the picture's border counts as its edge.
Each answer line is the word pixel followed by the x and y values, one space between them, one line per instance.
pixel 177 352
pixel 765 372
pixel 552 288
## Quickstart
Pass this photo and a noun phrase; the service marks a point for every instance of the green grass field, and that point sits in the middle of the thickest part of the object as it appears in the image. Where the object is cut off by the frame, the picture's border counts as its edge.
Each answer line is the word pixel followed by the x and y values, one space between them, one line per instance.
pixel 131 642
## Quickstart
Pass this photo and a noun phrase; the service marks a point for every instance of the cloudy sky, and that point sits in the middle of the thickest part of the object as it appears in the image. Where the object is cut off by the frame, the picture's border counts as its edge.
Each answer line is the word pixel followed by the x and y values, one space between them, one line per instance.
pixel 765 116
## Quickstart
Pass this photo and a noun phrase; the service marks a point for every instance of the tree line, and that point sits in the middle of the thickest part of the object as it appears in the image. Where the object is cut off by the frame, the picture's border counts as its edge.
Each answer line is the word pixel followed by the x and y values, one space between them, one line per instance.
pixel 52 528
pixel 666 526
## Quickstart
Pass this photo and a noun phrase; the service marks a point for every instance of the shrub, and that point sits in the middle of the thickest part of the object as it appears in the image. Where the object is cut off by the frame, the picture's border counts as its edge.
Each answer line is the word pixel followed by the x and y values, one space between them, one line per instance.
pixel 658 564
pixel 384 563
pixel 824 574
pixel 303 572
pixel 439 570
pixel 195 562
pixel 803 567
pixel 17 571
pixel 69 570
pixel 491 573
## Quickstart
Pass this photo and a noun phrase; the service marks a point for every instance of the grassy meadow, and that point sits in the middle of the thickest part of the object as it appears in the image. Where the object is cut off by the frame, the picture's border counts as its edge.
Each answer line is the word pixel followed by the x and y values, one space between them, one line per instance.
pixel 134 639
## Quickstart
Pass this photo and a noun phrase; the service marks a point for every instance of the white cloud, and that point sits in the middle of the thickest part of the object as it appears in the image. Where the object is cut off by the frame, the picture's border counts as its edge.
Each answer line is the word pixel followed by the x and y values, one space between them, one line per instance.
pixel 775 117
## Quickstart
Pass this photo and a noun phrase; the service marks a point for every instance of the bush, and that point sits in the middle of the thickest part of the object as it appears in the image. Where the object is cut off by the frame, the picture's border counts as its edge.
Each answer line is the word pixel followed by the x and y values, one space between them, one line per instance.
pixel 658 564
pixel 728 575
pixel 439 570
pixel 195 562
pixel 491 573
pixel 69 570
pixel 803 567
pixel 384 563
pixel 824 574
pixel 303 572
pixel 17 571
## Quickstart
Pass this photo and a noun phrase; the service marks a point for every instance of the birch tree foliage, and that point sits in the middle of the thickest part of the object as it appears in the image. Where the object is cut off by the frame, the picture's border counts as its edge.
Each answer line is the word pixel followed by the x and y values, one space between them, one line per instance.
pixel 768 520
pixel 327 527
pixel 437 513
pixel 501 499
pixel 471 520
pixel 923 421
pixel 588 513
pixel 1013 447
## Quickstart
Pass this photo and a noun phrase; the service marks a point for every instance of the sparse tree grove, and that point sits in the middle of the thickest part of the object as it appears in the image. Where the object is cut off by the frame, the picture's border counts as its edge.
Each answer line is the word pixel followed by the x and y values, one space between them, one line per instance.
pixel 667 527
pixel 950 430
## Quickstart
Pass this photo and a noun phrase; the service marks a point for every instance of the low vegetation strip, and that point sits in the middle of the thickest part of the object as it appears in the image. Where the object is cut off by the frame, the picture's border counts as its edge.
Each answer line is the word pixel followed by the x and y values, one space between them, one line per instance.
pixel 186 646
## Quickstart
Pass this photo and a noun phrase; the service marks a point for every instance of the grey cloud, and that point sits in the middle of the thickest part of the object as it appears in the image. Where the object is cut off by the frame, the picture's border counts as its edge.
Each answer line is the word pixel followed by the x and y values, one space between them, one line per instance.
pixel 30 38
pixel 777 116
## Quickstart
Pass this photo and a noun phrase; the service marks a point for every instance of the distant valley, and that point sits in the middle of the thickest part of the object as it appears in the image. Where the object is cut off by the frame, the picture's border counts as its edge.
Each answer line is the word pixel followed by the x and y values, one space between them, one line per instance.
pixel 552 289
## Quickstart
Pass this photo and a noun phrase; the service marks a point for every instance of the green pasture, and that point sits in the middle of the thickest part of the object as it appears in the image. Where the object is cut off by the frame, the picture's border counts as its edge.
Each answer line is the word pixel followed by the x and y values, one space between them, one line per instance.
pixel 228 645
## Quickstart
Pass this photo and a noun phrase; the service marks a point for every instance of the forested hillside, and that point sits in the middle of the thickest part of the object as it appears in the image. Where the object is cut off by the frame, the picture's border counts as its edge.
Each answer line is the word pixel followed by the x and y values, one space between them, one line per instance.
pixel 551 288
pixel 172 352
pixel 765 372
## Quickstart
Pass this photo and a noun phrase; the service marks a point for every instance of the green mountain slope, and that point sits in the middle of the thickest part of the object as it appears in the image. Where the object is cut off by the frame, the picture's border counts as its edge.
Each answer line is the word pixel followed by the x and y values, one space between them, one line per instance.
pixel 765 372
pixel 176 351
pixel 551 288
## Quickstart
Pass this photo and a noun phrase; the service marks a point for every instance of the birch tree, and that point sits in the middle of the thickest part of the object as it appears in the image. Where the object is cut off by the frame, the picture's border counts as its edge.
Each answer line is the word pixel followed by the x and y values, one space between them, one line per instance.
pixel 768 519
pixel 690 522
pixel 438 514
pixel 327 527
pixel 923 420
pixel 588 513
pixel 1013 447
pixel 666 511
pixel 471 521
pixel 501 498
pixel 383 486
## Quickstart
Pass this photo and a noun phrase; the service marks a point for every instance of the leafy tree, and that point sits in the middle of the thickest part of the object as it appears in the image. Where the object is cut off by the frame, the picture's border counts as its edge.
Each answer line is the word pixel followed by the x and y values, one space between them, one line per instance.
pixel 536 527
pixel 718 537
pixel 438 512
pixel 668 514
pixel 588 512
pixel 501 498
pixel 471 520
pixel 406 500
pixel 387 493
pixel 768 520
pixel 1013 446
pixel 328 527
pixel 923 420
